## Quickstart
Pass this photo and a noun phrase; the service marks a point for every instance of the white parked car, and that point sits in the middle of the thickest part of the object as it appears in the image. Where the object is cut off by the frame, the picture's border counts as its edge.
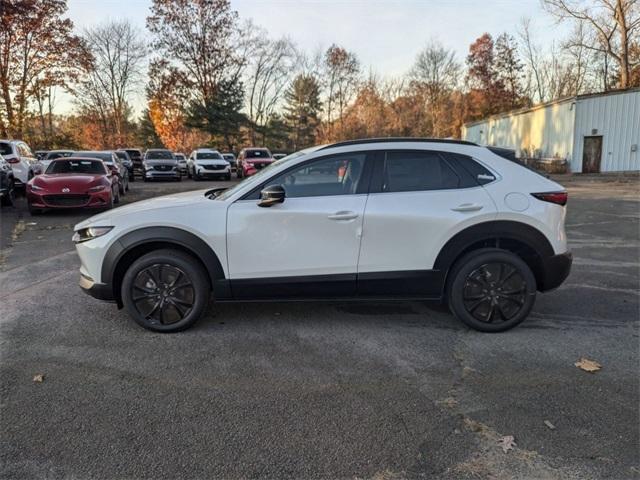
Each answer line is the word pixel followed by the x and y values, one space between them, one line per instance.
pixel 373 219
pixel 207 163
pixel 51 155
pixel 23 161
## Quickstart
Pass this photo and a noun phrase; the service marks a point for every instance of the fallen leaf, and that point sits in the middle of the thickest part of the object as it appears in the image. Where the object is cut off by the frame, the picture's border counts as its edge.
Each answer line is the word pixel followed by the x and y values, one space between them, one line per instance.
pixel 588 365
pixel 39 378
pixel 507 443
pixel 550 425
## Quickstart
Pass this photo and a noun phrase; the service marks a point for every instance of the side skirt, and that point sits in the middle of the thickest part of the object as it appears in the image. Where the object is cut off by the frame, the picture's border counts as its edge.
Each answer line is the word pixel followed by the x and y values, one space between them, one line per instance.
pixel 404 285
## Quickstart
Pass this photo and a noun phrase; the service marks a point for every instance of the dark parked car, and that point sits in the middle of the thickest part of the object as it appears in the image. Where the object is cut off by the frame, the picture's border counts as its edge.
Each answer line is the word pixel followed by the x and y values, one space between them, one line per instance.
pixel 127 162
pixel 136 157
pixel 7 183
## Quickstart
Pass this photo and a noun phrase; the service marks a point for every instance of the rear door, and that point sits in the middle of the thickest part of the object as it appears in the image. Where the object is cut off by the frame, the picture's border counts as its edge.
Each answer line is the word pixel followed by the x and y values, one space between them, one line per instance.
pixel 308 245
pixel 418 200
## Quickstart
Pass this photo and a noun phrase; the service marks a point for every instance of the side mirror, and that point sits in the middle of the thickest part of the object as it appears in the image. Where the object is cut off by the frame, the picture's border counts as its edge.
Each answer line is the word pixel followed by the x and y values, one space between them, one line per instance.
pixel 271 195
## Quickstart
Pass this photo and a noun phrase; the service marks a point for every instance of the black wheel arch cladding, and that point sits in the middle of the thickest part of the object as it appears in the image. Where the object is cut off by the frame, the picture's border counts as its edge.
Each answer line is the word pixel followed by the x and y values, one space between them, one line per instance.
pixel 163 237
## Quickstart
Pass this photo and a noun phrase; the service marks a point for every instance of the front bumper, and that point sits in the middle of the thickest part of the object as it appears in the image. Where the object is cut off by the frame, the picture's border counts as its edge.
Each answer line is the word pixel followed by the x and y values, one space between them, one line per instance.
pixel 48 200
pixel 156 174
pixel 101 291
pixel 556 270
pixel 204 172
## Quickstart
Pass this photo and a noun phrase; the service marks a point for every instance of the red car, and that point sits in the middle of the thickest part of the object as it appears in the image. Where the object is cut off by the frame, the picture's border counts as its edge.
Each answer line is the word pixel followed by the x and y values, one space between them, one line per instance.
pixel 251 160
pixel 73 182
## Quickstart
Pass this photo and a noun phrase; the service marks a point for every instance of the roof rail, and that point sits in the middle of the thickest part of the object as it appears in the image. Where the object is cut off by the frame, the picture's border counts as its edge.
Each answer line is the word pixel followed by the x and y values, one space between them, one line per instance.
pixel 364 141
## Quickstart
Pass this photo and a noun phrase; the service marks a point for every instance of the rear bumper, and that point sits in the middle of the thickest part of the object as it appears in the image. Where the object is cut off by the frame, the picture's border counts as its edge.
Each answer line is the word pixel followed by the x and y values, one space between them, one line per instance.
pixel 556 270
pixel 101 291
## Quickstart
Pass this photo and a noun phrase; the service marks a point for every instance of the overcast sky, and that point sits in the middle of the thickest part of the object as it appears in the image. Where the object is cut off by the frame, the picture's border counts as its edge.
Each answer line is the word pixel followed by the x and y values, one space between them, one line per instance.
pixel 385 34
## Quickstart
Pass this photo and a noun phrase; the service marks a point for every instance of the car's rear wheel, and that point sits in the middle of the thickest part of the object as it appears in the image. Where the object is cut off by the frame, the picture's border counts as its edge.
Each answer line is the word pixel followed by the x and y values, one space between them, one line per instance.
pixel 116 196
pixel 9 198
pixel 165 291
pixel 491 290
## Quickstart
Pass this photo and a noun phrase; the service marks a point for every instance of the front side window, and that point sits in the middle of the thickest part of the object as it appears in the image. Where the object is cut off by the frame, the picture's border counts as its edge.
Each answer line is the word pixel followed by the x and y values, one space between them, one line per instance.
pixel 336 175
pixel 5 148
pixel 411 171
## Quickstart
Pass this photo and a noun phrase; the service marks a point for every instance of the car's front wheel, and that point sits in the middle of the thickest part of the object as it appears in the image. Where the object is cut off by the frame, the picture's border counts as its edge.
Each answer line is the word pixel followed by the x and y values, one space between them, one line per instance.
pixel 10 197
pixel 491 290
pixel 165 291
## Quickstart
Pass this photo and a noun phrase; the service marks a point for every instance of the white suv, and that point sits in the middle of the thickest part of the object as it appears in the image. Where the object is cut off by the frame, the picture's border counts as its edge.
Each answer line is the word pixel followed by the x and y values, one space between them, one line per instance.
pixel 374 219
pixel 23 162
pixel 207 163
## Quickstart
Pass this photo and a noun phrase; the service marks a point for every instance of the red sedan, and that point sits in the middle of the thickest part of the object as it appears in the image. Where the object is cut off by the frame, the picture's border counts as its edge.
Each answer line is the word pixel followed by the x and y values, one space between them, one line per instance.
pixel 251 160
pixel 73 182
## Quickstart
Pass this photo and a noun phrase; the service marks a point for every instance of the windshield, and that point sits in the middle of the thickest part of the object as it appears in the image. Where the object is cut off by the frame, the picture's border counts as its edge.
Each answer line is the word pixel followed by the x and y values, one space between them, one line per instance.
pixel 54 155
pixel 229 156
pixel 91 167
pixel 180 157
pixel 262 153
pixel 104 156
pixel 209 156
pixel 159 155
pixel 122 155
pixel 5 148
pixel 259 176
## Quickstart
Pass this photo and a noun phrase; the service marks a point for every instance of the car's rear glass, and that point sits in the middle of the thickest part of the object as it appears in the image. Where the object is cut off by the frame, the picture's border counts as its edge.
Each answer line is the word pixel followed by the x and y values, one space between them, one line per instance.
pixel 76 166
pixel 262 153
pixel 5 148
pixel 159 155
pixel 228 156
pixel 209 156
pixel 54 155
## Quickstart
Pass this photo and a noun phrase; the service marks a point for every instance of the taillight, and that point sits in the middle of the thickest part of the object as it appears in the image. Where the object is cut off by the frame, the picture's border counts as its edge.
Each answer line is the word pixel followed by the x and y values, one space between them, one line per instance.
pixel 13 160
pixel 559 198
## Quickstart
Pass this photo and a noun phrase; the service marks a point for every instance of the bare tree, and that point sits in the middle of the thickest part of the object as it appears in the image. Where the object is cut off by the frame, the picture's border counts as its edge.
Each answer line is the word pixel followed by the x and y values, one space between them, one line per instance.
pixel 269 70
pixel 614 23
pixel 434 75
pixel 342 79
pixel 118 57
pixel 532 55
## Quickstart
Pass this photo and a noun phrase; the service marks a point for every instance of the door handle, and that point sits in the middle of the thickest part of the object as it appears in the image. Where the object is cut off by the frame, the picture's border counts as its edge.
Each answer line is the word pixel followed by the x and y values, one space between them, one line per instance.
pixel 343 216
pixel 467 207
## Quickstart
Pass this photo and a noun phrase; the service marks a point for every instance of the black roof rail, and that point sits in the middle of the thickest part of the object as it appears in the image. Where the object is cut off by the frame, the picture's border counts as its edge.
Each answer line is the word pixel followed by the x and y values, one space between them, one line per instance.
pixel 364 141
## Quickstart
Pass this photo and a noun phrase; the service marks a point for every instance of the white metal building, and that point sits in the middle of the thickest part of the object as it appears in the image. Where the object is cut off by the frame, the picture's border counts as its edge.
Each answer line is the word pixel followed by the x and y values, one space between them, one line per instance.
pixel 593 133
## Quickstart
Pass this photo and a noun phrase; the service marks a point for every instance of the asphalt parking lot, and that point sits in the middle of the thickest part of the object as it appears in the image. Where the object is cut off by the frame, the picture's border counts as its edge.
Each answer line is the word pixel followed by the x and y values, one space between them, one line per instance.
pixel 320 390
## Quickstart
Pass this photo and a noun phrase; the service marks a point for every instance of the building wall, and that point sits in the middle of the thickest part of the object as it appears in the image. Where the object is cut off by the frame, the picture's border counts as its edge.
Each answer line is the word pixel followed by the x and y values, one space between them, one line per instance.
pixel 546 130
pixel 617 118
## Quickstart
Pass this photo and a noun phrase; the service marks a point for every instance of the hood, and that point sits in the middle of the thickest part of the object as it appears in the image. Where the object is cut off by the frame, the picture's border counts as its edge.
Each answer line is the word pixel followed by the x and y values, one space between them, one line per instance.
pixel 167 201
pixel 211 161
pixel 76 182
pixel 160 161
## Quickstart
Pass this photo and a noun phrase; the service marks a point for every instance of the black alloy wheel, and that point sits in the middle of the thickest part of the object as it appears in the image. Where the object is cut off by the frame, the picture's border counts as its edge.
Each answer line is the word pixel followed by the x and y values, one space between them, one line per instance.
pixel 165 291
pixel 491 290
pixel 494 292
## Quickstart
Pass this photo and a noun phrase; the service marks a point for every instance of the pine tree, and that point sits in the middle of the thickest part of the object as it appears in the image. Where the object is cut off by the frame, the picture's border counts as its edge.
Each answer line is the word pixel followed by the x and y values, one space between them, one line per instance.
pixel 302 110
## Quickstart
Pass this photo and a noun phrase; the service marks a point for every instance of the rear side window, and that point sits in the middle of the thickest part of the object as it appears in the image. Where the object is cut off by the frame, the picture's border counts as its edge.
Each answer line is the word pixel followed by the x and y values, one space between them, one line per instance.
pixel 5 148
pixel 410 171
pixel 471 172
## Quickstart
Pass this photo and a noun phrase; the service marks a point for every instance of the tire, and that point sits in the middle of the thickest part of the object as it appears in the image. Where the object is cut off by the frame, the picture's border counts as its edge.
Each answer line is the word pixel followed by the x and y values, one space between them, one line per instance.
pixel 132 177
pixel 126 186
pixel 9 199
pixel 33 211
pixel 491 290
pixel 188 173
pixel 154 272
pixel 227 177
pixel 179 179
pixel 116 199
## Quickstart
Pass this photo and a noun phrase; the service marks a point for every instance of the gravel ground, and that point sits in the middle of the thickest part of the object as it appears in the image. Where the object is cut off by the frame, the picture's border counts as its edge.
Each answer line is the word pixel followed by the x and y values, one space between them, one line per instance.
pixel 322 390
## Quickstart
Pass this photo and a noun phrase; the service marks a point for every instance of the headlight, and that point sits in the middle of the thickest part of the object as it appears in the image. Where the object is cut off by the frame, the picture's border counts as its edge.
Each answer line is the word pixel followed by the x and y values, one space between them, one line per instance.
pixel 97 188
pixel 35 188
pixel 147 166
pixel 90 233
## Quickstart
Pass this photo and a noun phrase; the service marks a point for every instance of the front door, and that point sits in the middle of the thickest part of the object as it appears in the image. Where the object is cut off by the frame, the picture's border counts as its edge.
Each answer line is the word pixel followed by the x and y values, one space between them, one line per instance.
pixel 308 245
pixel 592 154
